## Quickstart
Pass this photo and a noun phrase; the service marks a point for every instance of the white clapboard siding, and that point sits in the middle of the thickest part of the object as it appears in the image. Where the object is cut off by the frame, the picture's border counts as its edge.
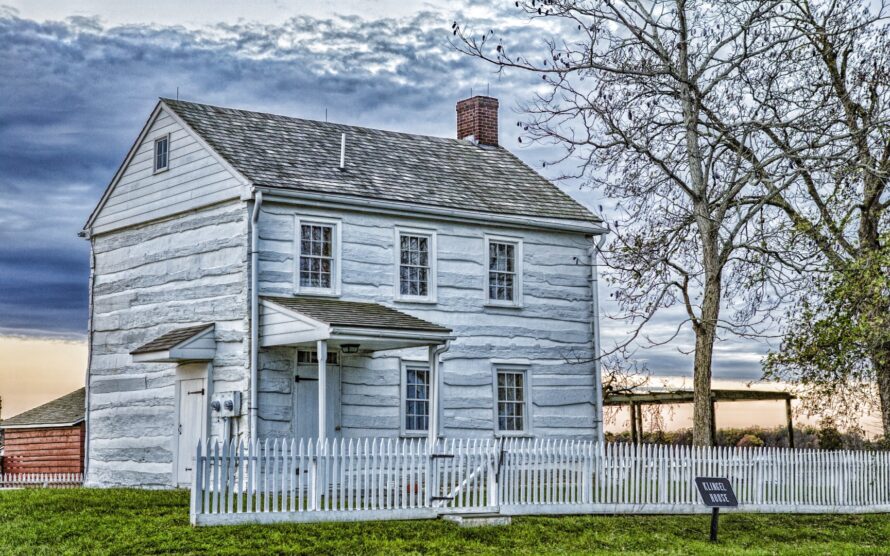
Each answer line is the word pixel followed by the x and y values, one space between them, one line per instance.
pixel 195 178
pixel 149 280
pixel 20 480
pixel 554 321
pixel 384 478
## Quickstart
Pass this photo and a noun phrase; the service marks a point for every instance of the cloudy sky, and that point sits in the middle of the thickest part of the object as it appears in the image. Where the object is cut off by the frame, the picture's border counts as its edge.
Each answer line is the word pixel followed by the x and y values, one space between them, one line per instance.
pixel 79 77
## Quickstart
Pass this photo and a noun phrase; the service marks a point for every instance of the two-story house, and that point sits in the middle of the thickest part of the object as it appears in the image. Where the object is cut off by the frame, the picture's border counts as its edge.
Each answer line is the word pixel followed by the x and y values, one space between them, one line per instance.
pixel 258 276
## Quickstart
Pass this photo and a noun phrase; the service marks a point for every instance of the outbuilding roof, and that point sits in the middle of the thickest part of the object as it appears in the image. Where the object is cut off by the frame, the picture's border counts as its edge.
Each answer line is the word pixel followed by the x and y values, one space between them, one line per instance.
pixel 171 339
pixel 355 314
pixel 65 411
pixel 304 155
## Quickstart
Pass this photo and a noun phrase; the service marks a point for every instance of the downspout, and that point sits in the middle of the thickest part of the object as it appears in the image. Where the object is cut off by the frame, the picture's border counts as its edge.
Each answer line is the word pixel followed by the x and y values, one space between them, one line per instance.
pixel 597 350
pixel 437 376
pixel 254 313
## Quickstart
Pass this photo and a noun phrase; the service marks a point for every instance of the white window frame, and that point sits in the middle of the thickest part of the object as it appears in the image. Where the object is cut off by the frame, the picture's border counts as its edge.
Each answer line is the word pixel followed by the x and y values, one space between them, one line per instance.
pixel 154 154
pixel 517 270
pixel 336 224
pixel 527 399
pixel 397 275
pixel 403 398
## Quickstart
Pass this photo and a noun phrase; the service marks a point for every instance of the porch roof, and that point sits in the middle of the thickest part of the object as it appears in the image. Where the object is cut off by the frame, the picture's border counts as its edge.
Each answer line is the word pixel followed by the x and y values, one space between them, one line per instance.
pixel 355 314
pixel 194 343
pixel 301 320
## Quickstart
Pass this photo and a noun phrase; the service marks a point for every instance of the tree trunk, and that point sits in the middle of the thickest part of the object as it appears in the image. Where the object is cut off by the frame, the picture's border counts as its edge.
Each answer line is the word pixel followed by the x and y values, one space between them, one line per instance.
pixel 881 362
pixel 705 334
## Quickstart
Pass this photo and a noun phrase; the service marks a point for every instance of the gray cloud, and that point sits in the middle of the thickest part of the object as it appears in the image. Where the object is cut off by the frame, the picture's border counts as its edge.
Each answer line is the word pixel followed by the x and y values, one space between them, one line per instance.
pixel 76 92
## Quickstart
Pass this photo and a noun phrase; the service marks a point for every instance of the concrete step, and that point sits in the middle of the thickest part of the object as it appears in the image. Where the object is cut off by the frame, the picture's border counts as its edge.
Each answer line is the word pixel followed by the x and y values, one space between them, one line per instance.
pixel 478 520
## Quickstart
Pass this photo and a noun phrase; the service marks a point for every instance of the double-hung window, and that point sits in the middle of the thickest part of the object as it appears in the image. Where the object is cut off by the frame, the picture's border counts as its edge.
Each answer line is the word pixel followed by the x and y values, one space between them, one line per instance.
pixel 416 399
pixel 416 265
pixel 504 276
pixel 162 153
pixel 318 247
pixel 511 390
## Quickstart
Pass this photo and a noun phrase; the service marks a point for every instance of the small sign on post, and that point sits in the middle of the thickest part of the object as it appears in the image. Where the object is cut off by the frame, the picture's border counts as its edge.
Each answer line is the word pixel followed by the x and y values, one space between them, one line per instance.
pixel 716 492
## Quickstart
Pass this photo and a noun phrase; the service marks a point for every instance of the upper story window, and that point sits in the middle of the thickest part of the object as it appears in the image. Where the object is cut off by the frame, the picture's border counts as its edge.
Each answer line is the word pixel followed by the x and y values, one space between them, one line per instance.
pixel 162 153
pixel 512 401
pixel 416 265
pixel 318 253
pixel 504 278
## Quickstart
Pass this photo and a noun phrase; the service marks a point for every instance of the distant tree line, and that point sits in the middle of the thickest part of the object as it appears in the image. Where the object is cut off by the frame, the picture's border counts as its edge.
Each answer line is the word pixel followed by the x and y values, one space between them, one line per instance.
pixel 825 437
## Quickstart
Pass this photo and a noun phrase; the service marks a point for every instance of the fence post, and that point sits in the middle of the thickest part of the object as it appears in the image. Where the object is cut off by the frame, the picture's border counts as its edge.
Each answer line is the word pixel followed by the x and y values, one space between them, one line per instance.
pixel 313 475
pixel 587 472
pixel 492 475
pixel 431 474
pixel 197 486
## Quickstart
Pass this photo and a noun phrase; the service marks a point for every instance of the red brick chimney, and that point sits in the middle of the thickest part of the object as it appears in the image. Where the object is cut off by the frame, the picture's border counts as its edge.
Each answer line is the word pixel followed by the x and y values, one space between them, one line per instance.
pixel 477 117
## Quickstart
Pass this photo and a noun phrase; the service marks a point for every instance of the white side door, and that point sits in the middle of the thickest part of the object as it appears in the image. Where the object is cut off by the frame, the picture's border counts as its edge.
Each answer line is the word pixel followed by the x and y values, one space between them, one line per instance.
pixel 191 426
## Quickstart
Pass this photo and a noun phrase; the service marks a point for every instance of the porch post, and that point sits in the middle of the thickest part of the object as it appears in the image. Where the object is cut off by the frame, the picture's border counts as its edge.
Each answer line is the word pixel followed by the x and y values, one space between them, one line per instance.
pixel 322 350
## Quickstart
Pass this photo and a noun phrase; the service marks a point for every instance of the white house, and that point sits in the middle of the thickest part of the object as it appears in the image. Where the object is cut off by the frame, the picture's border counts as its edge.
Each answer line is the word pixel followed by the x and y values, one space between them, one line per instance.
pixel 256 275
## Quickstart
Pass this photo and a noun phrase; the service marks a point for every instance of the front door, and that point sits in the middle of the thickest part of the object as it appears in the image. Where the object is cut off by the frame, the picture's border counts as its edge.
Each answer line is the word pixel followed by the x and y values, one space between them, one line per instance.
pixel 306 402
pixel 305 424
pixel 191 426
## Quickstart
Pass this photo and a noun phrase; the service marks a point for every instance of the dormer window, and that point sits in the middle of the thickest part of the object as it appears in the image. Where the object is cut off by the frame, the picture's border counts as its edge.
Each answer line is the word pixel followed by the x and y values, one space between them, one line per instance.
pixel 162 153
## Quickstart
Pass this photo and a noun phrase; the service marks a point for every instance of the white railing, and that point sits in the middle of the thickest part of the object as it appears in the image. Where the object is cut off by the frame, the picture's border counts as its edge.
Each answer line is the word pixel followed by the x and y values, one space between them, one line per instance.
pixel 18 480
pixel 370 479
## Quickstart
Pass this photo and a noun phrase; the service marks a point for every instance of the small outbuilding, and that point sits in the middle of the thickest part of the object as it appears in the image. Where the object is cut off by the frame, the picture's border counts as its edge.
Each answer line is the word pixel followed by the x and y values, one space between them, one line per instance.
pixel 46 439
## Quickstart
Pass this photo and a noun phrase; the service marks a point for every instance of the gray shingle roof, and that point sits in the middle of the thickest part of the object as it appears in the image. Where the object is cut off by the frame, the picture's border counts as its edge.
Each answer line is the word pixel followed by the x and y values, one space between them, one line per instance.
pixel 170 339
pixel 355 314
pixel 68 409
pixel 304 155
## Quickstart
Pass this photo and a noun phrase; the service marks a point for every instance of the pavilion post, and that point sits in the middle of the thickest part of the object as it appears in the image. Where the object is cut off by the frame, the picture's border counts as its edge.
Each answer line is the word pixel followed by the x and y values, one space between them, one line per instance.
pixel 790 422
pixel 322 349
pixel 634 434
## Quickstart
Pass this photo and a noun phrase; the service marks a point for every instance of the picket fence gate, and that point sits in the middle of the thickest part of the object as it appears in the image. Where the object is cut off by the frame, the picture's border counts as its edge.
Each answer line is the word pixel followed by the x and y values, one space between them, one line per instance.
pixel 301 480
pixel 19 480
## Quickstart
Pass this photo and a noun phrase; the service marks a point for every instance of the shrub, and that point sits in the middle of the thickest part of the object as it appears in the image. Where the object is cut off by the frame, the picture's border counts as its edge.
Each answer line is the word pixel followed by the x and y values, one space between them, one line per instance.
pixel 749 441
pixel 830 438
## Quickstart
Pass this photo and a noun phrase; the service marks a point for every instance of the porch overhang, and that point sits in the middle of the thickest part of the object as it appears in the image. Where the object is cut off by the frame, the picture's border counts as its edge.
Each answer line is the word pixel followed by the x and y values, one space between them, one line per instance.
pixel 302 320
pixel 195 343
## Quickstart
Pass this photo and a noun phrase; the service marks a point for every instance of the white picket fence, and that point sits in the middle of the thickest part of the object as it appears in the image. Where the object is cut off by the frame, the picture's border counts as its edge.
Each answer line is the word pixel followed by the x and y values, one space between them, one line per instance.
pixel 20 480
pixel 373 479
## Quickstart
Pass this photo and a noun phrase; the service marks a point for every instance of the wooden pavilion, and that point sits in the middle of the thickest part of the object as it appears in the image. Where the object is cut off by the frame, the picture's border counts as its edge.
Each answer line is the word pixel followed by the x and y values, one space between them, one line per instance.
pixel 636 401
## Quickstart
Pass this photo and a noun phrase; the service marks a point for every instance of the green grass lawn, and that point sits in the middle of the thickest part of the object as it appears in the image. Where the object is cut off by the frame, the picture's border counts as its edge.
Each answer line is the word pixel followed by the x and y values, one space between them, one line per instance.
pixel 83 521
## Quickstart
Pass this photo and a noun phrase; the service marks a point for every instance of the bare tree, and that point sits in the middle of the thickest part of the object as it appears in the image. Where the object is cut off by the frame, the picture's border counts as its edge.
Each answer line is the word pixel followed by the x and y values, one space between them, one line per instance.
pixel 650 98
pixel 827 110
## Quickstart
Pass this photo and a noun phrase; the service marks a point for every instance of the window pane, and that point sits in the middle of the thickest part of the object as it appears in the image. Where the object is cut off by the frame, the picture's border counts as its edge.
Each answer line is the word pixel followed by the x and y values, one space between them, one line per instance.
pixel 511 400
pixel 414 268
pixel 416 399
pixel 316 255
pixel 161 153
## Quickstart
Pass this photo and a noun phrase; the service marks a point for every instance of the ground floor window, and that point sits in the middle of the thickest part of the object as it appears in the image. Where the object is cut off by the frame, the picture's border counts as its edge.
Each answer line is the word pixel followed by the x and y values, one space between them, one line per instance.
pixel 416 403
pixel 512 405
